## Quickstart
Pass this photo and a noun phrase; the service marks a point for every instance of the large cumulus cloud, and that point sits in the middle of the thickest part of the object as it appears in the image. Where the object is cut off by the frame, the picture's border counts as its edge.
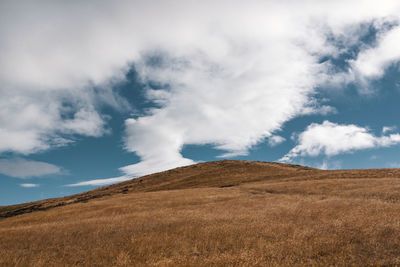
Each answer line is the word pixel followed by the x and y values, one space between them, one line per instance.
pixel 229 73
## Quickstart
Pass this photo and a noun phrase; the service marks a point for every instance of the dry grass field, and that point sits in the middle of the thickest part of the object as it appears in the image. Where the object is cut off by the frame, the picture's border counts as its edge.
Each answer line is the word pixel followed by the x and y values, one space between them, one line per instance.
pixel 227 213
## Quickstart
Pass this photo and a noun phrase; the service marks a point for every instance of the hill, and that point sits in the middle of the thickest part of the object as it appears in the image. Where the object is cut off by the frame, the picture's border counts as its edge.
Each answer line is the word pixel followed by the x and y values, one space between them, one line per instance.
pixel 210 174
pixel 235 213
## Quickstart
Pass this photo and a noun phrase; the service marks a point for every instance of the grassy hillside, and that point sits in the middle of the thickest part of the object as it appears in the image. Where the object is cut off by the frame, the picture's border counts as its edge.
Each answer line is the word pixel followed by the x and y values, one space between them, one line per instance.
pixel 234 213
pixel 211 174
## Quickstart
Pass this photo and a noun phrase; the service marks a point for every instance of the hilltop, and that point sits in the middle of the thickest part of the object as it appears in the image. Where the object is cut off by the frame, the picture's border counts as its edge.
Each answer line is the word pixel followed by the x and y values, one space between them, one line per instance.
pixel 209 174
pixel 236 213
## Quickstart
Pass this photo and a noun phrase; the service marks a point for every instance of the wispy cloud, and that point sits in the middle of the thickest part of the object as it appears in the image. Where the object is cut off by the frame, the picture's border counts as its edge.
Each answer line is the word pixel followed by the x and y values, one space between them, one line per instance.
pixel 328 164
pixel 387 129
pixel 100 182
pixel 332 139
pixel 393 165
pixel 22 168
pixel 29 185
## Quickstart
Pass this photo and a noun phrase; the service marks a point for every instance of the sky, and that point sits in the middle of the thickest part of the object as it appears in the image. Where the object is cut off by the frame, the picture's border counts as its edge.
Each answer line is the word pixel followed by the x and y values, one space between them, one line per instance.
pixel 98 92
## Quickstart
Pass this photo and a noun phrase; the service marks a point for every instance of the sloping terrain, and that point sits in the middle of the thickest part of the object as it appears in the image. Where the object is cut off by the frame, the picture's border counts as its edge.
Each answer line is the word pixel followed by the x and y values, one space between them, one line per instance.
pixel 211 174
pixel 233 213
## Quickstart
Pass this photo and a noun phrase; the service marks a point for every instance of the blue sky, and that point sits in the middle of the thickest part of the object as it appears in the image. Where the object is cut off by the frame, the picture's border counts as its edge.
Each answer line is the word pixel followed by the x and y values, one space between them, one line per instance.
pixel 102 92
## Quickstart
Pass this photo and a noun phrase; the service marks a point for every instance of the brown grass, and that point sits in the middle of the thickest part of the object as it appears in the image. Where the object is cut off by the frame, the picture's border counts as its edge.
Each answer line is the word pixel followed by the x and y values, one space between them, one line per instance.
pixel 271 214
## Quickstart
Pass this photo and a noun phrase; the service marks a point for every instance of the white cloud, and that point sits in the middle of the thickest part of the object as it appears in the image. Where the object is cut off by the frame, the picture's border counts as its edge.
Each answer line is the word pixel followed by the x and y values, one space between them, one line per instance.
pixel 250 73
pixel 328 164
pixel 324 165
pixel 276 140
pixel 48 72
pixel 236 71
pixel 29 185
pixel 332 139
pixel 22 168
pixel 371 63
pixel 387 129
pixel 100 182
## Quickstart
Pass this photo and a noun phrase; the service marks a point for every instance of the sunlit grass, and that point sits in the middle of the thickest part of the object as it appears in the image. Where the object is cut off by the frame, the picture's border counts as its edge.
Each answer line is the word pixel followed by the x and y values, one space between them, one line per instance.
pixel 317 220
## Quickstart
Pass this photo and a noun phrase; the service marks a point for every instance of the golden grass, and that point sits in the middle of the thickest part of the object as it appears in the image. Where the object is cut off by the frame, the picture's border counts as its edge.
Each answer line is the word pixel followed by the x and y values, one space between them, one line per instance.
pixel 314 219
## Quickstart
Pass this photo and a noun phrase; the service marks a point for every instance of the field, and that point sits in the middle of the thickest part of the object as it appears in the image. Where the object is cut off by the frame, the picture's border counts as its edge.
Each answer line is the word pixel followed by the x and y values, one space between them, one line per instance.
pixel 232 213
